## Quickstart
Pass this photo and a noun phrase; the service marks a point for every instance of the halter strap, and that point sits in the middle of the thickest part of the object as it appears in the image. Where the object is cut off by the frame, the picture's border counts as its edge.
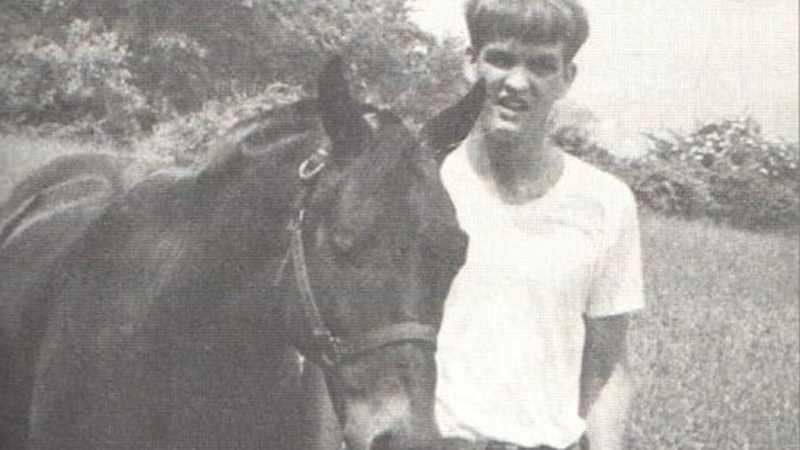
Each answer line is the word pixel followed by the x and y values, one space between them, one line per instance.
pixel 325 349
pixel 387 335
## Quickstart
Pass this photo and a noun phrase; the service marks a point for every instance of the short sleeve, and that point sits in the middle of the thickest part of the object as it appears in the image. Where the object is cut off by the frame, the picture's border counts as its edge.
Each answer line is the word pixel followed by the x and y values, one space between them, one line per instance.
pixel 617 286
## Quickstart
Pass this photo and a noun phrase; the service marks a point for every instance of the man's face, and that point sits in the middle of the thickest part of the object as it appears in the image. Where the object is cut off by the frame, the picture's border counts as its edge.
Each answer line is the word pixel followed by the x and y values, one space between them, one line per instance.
pixel 523 81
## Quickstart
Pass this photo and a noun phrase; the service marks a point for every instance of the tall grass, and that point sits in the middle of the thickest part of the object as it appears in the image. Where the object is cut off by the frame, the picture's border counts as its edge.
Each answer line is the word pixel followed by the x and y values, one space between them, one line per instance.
pixel 716 352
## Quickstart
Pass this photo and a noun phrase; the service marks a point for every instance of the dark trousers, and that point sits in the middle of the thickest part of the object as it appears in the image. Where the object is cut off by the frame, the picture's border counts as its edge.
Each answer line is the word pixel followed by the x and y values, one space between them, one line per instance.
pixel 495 445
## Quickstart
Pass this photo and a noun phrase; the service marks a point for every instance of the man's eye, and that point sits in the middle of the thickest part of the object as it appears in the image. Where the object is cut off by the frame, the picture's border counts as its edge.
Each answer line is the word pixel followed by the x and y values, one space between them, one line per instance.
pixel 500 60
pixel 543 66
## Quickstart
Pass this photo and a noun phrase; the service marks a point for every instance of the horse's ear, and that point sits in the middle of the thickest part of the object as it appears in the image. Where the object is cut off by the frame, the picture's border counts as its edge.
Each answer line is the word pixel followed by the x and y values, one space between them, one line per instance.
pixel 451 126
pixel 340 113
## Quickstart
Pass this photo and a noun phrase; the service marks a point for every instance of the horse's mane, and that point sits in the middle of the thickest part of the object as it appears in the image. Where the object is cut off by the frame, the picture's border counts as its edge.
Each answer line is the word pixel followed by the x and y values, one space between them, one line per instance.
pixel 264 133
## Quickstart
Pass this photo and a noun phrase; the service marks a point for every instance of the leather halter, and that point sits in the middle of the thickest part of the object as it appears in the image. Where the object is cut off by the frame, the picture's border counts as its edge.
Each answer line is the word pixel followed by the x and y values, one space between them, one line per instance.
pixel 323 347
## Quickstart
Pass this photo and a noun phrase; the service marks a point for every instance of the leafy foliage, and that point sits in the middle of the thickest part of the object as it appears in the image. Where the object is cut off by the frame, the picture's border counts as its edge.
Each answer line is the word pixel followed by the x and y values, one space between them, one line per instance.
pixel 735 174
pixel 82 79
pixel 726 170
pixel 179 55
pixel 189 138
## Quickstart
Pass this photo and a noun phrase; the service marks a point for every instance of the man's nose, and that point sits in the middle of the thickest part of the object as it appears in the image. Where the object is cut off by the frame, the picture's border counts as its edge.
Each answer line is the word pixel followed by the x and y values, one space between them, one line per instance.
pixel 519 79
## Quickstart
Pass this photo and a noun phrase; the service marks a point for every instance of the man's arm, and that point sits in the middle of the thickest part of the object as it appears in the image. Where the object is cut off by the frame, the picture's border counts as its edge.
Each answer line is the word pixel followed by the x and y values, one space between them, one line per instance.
pixel 606 385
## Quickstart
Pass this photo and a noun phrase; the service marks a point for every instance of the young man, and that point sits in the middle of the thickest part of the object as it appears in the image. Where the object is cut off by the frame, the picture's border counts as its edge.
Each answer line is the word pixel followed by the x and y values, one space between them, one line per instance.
pixel 532 351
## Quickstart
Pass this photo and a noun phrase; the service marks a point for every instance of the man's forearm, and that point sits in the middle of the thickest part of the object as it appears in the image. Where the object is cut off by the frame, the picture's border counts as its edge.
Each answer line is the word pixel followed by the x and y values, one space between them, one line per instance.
pixel 606 385
pixel 604 404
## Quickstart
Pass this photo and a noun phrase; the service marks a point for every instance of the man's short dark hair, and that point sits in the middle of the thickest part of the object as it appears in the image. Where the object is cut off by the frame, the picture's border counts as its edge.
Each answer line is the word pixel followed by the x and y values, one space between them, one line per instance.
pixel 531 21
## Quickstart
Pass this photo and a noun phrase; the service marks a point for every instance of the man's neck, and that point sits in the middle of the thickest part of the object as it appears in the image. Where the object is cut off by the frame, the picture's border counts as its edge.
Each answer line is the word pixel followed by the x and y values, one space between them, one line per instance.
pixel 519 171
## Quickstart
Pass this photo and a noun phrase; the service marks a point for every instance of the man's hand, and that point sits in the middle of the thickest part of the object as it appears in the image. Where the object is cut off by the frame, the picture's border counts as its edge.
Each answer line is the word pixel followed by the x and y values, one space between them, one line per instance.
pixel 606 385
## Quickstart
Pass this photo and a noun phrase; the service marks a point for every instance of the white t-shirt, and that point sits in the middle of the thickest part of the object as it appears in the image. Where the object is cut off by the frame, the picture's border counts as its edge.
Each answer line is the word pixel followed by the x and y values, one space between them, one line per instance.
pixel 511 343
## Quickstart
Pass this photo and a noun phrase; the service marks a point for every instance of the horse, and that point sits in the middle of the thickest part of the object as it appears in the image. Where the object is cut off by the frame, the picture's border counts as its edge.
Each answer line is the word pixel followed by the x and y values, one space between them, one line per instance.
pixel 40 219
pixel 181 316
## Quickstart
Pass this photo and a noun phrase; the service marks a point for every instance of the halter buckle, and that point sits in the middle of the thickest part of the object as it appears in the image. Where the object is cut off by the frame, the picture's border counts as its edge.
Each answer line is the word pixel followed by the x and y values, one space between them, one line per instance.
pixel 313 164
pixel 296 222
pixel 331 348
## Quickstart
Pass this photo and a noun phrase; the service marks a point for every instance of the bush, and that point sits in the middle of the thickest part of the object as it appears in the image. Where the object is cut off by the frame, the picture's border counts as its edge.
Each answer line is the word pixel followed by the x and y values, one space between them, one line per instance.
pixel 578 141
pixel 186 139
pixel 179 54
pixel 173 70
pixel 725 170
pixel 730 171
pixel 82 81
pixel 431 79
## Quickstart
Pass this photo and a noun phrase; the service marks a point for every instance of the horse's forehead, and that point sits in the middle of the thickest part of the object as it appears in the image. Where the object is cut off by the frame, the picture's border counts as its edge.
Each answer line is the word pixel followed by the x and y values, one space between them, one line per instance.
pixel 433 201
pixel 388 154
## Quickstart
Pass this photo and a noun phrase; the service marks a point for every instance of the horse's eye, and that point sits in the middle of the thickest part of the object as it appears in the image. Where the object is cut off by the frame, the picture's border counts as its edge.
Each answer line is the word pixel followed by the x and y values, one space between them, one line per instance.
pixel 344 241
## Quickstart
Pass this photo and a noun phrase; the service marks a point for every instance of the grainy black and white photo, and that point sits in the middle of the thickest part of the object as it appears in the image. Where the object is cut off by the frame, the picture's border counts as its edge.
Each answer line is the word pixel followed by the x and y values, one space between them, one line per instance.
pixel 399 224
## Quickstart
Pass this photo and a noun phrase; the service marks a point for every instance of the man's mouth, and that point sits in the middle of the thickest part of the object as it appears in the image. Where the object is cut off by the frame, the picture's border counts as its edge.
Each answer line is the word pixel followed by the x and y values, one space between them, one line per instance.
pixel 513 104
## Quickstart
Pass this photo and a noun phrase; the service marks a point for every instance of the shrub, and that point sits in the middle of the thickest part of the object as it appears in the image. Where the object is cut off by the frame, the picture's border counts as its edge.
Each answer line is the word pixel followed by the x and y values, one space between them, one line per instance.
pixel 82 81
pixel 725 170
pixel 186 139
pixel 179 54
pixel 577 140
pixel 172 69
pixel 728 171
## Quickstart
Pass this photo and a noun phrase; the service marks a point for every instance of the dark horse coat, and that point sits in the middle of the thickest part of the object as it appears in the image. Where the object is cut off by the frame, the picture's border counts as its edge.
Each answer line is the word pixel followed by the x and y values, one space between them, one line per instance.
pixel 162 325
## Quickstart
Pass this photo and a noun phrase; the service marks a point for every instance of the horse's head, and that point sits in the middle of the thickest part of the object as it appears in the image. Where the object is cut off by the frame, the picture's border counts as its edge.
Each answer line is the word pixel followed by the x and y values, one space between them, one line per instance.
pixel 374 247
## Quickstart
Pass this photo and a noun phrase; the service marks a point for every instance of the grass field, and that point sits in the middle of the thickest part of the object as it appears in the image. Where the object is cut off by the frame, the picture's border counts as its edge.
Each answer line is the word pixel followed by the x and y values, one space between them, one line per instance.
pixel 716 351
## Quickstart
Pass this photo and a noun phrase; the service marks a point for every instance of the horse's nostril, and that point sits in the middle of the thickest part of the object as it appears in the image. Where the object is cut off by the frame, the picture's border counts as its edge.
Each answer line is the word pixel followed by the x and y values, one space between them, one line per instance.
pixel 383 441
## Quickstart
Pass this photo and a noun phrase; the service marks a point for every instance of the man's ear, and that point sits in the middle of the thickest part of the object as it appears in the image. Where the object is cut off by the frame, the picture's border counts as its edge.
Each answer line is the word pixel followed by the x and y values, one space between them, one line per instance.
pixel 471 65
pixel 570 72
